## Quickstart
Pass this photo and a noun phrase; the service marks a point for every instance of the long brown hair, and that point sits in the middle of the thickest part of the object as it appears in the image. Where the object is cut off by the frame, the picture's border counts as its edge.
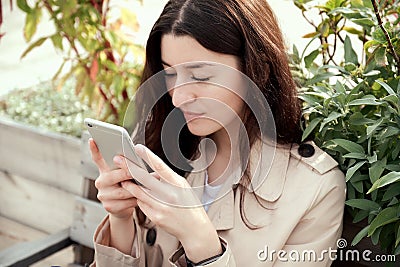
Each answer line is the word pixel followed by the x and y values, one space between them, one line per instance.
pixel 246 29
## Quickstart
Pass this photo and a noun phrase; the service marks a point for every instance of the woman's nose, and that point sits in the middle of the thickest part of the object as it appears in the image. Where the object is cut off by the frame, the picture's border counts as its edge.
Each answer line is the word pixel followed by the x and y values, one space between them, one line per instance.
pixel 182 95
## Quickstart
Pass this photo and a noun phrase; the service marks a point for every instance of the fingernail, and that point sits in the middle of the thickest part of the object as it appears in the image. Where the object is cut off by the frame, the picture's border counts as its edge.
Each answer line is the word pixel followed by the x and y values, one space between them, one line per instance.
pixel 117 159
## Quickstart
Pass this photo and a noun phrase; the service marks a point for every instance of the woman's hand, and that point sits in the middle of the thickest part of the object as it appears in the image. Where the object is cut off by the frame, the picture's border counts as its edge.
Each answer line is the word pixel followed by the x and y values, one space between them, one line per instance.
pixel 169 201
pixel 115 199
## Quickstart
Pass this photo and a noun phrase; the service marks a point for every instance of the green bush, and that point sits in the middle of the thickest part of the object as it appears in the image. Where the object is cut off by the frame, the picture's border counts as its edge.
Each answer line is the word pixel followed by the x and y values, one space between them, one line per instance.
pixel 42 106
pixel 105 62
pixel 352 107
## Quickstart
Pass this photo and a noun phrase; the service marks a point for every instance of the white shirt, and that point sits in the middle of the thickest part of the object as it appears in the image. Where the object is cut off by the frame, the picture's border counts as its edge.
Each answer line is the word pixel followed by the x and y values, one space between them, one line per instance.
pixel 210 193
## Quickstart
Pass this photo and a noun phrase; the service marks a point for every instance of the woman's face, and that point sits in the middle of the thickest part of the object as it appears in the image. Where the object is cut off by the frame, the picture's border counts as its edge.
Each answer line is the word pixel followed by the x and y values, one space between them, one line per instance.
pixel 206 86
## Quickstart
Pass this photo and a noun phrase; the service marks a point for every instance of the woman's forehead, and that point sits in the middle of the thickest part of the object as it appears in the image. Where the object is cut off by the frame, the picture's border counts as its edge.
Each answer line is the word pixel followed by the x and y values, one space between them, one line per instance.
pixel 177 50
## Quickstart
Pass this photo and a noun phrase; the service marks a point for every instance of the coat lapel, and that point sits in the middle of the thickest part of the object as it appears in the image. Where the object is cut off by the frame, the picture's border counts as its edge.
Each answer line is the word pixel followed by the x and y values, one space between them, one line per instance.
pixel 268 169
pixel 221 211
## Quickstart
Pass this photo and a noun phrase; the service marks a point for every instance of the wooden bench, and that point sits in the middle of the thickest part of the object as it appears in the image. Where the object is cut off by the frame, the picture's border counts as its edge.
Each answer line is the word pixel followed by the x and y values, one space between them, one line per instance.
pixel 87 215
pixel 69 182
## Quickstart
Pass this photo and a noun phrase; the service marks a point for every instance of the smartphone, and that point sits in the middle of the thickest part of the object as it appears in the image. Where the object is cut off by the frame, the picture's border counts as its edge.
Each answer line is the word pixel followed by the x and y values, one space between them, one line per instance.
pixel 113 140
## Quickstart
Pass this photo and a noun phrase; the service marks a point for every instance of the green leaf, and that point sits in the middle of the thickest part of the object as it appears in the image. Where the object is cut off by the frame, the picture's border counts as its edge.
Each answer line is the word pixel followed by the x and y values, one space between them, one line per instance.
pixel 384 217
pixel 352 30
pixel 333 116
pixel 339 68
pixel 299 5
pixel 320 77
pixel 349 66
pixel 308 60
pixel 361 214
pixel 376 169
pixel 35 44
pixel 365 100
pixel 392 191
pixel 394 201
pixel 23 5
pixel 380 56
pixel 359 119
pixel 398 237
pixel 386 86
pixel 363 22
pixel 372 73
pixel 363 204
pixel 31 22
pixel 349 54
pixel 355 155
pixel 356 3
pixel 340 88
pixel 363 233
pixel 375 236
pixel 394 99
pixel 324 29
pixel 310 128
pixel 348 145
pixel 332 4
pixel 397 250
pixel 373 158
pixel 379 36
pixel 367 3
pixel 359 186
pixel 296 52
pixel 372 128
pixel 350 172
pixel 389 178
pixel 57 41
pixel 310 35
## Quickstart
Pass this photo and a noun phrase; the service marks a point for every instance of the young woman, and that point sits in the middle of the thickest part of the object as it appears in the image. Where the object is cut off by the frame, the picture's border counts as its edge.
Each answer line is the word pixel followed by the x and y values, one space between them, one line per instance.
pixel 231 185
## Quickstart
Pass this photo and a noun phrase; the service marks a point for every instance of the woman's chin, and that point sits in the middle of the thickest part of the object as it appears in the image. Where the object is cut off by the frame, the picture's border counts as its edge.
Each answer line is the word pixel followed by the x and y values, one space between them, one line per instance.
pixel 203 127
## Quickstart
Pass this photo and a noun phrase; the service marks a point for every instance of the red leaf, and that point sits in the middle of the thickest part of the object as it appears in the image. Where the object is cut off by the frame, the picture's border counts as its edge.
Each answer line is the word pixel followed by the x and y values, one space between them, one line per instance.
pixel 94 69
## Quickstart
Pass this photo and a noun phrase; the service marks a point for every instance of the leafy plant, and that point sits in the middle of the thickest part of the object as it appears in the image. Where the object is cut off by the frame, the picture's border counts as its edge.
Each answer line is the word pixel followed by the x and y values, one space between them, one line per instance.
pixel 104 61
pixel 42 106
pixel 352 106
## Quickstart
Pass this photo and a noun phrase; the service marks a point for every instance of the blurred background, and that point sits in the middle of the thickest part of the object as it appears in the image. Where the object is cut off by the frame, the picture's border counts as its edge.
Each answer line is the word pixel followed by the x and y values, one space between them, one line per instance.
pixel 61 61
pixel 40 65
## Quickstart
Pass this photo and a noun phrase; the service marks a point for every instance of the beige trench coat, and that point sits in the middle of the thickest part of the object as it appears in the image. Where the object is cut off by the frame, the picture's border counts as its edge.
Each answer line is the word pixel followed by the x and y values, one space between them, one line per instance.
pixel 299 225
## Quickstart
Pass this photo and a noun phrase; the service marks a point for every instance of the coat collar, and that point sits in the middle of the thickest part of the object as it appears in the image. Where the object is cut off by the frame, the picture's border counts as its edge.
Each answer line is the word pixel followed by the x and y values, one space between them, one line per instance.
pixel 269 163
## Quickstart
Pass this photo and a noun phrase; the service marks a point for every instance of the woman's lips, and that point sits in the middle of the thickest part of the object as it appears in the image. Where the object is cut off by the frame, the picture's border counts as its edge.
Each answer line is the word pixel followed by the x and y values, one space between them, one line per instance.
pixel 191 115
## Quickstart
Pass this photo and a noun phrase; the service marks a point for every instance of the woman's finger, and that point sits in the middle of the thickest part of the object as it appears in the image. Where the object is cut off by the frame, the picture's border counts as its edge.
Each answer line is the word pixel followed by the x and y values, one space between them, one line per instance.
pixel 158 165
pixel 97 157
pixel 118 206
pixel 149 212
pixel 112 178
pixel 140 193
pixel 117 193
pixel 142 176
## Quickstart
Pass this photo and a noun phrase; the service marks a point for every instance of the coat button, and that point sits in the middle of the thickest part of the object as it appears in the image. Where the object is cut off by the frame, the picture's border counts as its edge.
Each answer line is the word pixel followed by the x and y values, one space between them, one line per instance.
pixel 151 236
pixel 306 150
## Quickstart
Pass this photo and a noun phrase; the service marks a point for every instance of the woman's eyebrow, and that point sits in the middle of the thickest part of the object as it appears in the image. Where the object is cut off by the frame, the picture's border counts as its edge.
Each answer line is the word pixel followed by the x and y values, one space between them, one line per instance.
pixel 195 65
pixel 198 65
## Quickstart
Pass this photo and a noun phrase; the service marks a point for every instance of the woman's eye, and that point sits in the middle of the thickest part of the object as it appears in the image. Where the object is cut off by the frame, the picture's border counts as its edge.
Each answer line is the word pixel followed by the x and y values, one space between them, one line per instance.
pixel 169 74
pixel 200 79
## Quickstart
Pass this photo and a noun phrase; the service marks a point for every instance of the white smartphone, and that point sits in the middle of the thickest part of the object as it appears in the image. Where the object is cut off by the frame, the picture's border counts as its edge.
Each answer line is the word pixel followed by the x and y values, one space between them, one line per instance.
pixel 113 140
